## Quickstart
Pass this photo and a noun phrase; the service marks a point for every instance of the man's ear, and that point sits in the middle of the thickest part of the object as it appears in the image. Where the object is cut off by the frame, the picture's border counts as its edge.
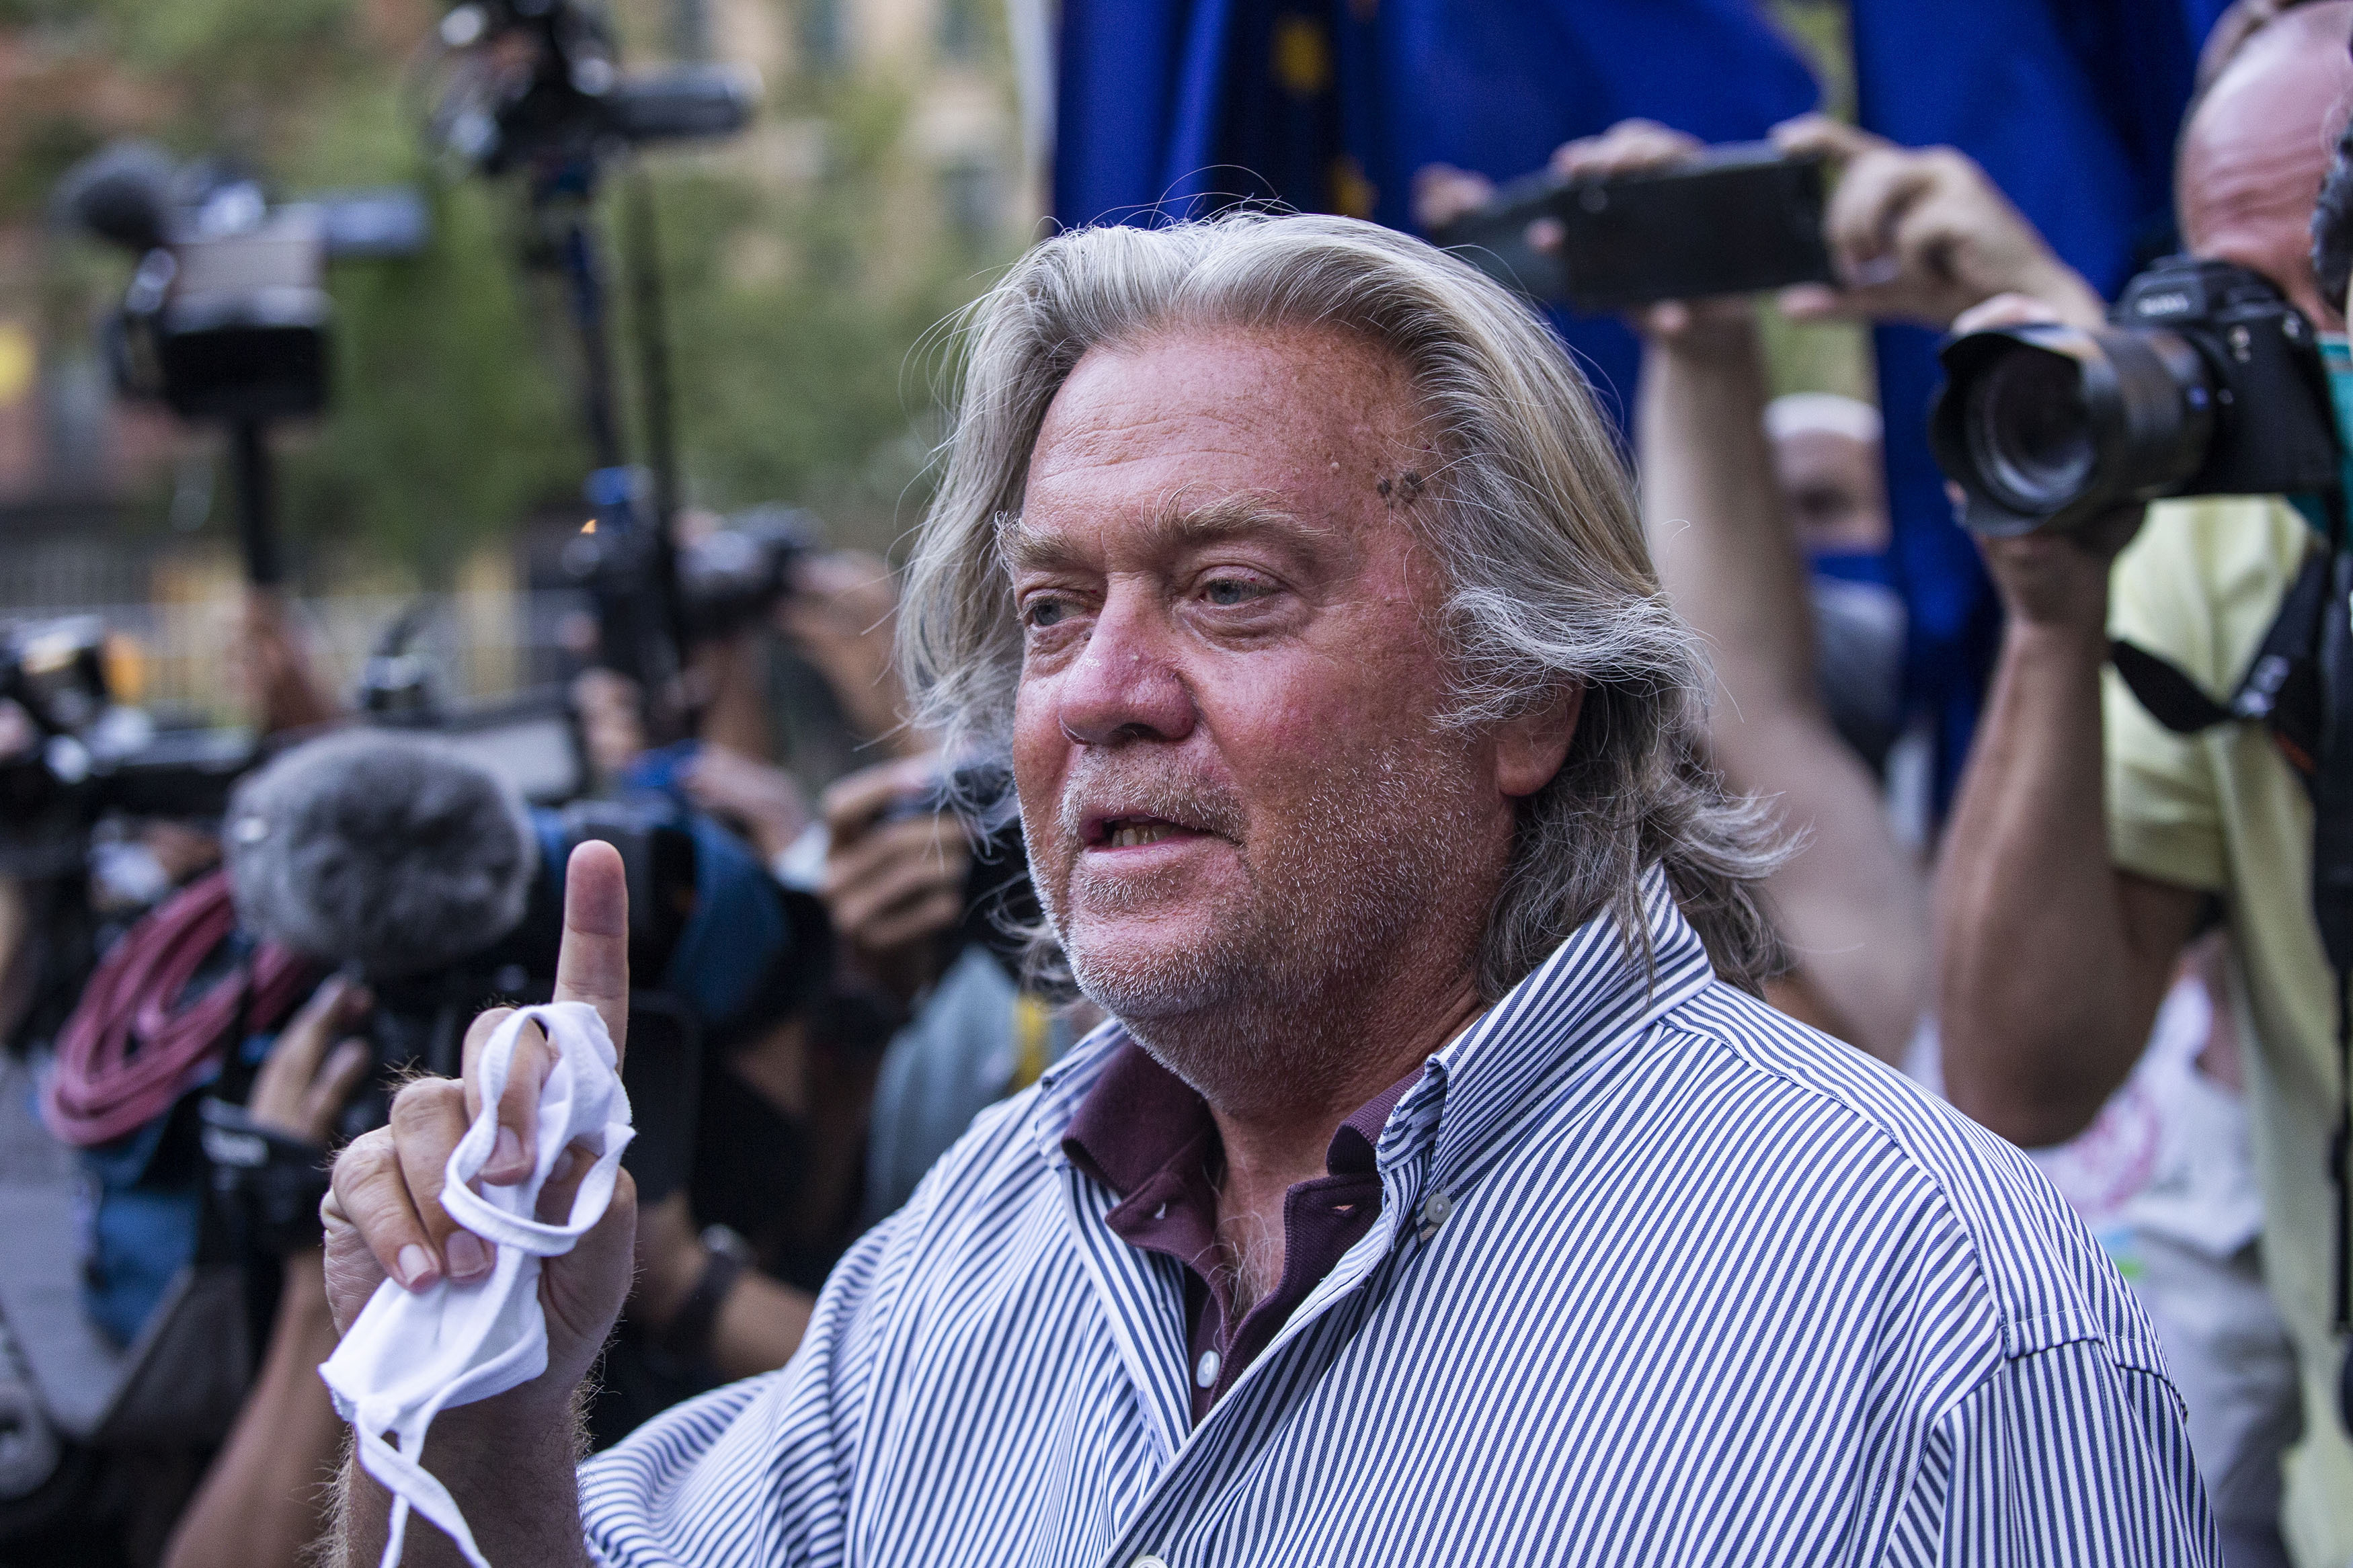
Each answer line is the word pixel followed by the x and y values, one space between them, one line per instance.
pixel 1530 749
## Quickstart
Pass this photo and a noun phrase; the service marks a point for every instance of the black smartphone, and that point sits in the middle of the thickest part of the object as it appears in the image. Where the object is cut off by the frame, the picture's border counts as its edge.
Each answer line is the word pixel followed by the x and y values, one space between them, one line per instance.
pixel 1737 219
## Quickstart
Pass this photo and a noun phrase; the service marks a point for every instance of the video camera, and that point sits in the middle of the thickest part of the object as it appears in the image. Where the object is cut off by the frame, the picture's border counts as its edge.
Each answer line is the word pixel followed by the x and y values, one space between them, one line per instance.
pixel 556 101
pixel 2208 382
pixel 394 855
pixel 227 315
pixel 81 753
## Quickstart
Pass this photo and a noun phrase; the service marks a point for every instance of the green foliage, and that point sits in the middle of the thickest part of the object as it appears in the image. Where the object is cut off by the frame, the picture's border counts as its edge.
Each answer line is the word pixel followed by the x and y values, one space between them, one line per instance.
pixel 448 423
pixel 799 316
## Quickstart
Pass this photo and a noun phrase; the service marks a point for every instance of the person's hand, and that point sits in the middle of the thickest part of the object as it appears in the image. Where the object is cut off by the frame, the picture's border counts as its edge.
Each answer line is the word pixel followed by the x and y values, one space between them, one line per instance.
pixel 312 1070
pixel 1442 193
pixel 1708 328
pixel 271 663
pixel 2049 580
pixel 612 718
pixel 765 799
pixel 1921 234
pixel 892 887
pixel 839 616
pixel 385 1219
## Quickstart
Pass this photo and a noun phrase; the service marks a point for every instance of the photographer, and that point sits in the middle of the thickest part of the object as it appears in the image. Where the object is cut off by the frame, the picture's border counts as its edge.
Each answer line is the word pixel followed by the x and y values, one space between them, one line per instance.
pixel 264 1499
pixel 2090 842
pixel 1733 547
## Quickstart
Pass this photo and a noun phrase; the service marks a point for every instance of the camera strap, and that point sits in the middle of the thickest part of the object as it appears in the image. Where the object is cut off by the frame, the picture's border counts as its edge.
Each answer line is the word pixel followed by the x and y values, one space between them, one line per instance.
pixel 2331 785
pixel 2299 687
pixel 2282 689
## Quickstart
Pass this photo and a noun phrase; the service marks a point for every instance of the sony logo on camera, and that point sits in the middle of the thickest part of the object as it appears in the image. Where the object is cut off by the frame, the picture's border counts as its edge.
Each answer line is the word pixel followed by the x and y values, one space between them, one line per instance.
pixel 2166 302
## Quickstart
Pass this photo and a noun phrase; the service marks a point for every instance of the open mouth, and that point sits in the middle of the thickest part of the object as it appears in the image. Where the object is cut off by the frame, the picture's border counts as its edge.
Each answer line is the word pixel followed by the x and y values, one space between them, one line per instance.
pixel 1133 832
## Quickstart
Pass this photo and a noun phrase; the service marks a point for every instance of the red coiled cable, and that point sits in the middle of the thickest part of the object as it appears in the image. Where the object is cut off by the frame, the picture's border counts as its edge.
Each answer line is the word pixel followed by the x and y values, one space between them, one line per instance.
pixel 126 1055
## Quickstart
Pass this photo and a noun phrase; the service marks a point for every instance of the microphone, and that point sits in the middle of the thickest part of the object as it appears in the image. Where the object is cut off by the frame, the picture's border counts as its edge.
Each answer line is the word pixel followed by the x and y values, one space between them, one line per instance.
pixel 121 194
pixel 389 852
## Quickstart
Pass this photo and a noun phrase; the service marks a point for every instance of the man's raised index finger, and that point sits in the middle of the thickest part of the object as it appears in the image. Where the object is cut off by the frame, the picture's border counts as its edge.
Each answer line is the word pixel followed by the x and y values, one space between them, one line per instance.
pixel 593 965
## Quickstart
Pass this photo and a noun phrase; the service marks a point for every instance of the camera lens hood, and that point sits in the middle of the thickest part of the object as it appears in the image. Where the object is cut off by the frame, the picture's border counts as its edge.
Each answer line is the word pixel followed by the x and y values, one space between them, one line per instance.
pixel 2046 426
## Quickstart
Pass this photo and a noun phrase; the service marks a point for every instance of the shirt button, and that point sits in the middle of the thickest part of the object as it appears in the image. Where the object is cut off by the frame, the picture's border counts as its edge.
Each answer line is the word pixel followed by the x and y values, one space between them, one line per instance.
pixel 1149 1561
pixel 1205 1375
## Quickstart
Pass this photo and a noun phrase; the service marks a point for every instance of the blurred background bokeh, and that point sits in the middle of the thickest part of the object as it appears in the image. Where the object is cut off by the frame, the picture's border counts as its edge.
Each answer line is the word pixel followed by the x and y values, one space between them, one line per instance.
pixel 891 172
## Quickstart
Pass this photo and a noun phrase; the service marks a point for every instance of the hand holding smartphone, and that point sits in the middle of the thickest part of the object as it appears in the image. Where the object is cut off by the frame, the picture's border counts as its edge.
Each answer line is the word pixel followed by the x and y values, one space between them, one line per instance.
pixel 1734 219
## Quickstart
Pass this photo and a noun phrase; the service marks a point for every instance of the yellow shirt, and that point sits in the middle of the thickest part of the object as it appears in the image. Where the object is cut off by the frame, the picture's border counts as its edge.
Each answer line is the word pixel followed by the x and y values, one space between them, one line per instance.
pixel 2224 813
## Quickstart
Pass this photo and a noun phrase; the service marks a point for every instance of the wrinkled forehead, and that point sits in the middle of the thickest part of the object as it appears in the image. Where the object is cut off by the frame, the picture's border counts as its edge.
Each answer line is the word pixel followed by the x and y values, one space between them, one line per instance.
pixel 1224 429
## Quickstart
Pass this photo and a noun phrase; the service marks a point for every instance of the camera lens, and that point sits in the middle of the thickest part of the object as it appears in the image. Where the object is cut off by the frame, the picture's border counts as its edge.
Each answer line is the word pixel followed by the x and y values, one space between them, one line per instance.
pixel 2051 425
pixel 2030 430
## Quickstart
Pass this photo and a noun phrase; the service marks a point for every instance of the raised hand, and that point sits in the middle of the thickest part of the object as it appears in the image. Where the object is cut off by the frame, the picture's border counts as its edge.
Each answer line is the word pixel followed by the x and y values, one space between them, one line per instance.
pixel 1921 234
pixel 384 1218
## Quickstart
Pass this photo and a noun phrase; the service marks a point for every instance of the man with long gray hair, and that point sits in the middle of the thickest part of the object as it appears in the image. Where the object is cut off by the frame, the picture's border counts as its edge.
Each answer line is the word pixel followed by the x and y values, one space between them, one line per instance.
pixel 1441 1192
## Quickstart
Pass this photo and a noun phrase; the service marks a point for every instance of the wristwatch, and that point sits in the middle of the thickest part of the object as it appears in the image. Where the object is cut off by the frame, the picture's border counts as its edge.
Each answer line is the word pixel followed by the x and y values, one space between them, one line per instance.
pixel 686 1335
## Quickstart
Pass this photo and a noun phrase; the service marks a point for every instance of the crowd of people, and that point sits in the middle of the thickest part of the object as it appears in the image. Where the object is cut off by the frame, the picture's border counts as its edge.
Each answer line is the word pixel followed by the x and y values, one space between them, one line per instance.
pixel 1327 973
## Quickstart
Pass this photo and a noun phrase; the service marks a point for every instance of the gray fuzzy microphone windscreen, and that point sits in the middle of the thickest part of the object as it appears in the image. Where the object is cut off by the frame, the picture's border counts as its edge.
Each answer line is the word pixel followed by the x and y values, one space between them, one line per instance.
pixel 381 848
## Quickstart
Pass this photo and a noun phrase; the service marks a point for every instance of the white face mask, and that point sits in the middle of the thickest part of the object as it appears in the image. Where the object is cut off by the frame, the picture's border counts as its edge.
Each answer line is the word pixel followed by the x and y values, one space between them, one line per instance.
pixel 414 1354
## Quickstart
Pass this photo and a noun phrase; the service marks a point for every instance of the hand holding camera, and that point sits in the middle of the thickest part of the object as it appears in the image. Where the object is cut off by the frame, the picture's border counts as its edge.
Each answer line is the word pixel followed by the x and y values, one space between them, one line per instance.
pixel 314 1068
pixel 1920 235
pixel 895 875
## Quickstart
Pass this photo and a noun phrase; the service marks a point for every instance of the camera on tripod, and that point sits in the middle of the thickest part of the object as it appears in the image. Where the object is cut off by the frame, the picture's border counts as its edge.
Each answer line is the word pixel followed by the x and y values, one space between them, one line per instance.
pixel 227 315
pixel 2208 382
pixel 506 109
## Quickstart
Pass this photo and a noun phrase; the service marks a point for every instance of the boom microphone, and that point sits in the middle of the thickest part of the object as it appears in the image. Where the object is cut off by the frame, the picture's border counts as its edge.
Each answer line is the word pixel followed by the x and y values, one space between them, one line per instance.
pixel 386 849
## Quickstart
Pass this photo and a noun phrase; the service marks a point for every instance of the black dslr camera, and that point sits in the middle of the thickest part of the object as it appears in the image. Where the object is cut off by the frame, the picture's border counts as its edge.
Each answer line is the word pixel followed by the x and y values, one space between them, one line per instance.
pixel 2208 382
pixel 732 577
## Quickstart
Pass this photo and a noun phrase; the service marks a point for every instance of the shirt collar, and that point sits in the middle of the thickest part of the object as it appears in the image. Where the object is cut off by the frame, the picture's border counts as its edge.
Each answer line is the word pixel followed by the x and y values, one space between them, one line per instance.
pixel 1601 985
pixel 1140 1117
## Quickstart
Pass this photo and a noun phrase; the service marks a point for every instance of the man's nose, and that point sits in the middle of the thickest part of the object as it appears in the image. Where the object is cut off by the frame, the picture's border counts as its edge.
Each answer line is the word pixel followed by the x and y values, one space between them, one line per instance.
pixel 1125 684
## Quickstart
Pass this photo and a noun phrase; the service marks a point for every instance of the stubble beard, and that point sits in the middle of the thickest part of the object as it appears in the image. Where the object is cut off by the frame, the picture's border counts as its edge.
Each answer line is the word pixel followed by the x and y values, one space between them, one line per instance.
pixel 1267 1005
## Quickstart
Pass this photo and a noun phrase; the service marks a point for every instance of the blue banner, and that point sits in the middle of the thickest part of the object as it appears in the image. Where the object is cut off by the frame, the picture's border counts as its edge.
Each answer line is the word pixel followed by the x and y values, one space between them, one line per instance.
pixel 1178 107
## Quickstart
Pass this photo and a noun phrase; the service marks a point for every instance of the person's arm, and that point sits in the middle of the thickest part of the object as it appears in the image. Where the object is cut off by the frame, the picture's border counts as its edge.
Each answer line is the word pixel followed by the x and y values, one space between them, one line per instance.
pixel 2053 962
pixel 1850 901
pixel 757 1324
pixel 265 1499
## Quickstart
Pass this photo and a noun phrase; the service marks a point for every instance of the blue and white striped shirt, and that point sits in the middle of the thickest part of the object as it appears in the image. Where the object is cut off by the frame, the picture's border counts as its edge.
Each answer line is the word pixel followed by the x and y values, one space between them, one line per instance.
pixel 1660 1277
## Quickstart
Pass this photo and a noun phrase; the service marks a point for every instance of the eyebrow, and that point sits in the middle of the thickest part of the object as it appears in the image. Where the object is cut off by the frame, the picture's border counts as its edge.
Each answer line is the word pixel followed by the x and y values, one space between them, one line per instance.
pixel 1176 524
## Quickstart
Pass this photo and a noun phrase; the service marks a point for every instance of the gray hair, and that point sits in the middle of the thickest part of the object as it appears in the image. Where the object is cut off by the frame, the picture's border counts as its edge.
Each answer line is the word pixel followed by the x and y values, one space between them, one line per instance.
pixel 1532 519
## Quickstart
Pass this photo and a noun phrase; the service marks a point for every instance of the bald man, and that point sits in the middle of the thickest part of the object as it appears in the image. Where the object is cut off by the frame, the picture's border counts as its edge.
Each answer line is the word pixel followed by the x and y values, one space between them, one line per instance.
pixel 2089 842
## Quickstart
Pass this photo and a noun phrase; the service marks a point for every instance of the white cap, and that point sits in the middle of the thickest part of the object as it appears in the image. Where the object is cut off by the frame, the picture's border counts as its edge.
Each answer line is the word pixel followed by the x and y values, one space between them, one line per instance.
pixel 1828 411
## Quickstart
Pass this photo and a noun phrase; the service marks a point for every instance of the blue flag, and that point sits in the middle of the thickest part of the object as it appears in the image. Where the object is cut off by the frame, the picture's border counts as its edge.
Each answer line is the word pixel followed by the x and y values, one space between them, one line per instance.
pixel 1178 107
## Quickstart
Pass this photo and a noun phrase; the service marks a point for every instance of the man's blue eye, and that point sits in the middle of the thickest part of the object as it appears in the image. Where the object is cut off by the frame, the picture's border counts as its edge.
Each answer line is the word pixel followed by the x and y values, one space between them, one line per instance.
pixel 1045 612
pixel 1227 590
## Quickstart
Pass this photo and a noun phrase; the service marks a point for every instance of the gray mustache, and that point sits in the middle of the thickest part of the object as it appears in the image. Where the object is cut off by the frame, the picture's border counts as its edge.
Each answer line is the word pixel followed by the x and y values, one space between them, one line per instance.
pixel 1125 790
